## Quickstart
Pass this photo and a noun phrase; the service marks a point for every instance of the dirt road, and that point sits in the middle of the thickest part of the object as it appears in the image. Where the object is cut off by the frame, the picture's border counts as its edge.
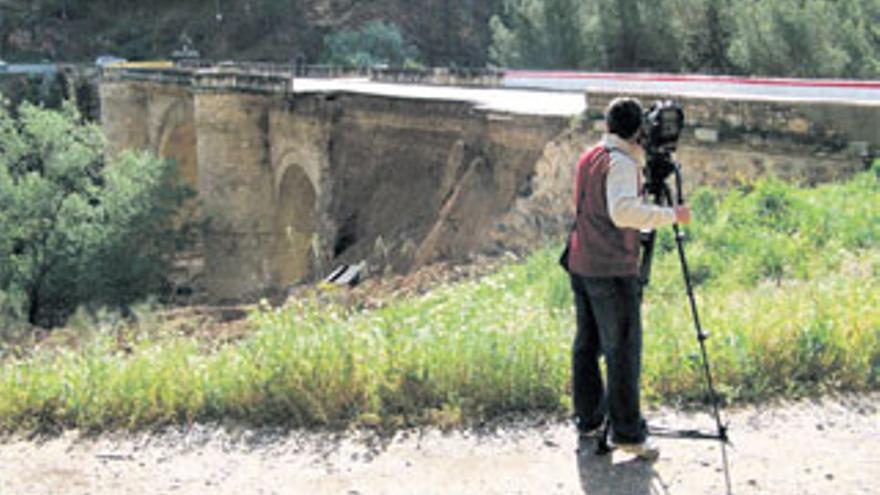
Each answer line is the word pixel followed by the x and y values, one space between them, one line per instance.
pixel 822 446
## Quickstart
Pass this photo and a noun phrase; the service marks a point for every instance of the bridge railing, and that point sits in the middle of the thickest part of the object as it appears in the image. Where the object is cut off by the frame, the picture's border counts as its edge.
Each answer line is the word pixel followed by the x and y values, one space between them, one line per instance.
pixel 446 76
pixel 458 76
pixel 168 75
pixel 243 80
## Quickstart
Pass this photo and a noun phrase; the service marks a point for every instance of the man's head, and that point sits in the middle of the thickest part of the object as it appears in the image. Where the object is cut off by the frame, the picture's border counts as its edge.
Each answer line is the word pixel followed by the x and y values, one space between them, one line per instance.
pixel 624 117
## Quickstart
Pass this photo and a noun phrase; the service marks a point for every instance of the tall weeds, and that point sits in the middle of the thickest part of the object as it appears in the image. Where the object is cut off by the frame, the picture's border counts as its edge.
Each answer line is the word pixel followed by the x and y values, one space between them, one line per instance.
pixel 787 282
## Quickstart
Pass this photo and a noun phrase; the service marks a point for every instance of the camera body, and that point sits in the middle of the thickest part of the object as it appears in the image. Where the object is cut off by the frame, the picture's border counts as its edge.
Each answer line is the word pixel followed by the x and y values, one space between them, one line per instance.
pixel 662 127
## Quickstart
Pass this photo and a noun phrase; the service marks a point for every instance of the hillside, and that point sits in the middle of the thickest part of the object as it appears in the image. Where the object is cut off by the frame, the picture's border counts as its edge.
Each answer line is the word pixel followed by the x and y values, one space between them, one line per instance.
pixel 444 32
pixel 831 39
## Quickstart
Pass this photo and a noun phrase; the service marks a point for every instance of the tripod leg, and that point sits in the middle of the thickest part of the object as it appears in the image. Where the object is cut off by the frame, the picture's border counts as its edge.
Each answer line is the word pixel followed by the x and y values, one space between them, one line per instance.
pixel 701 335
pixel 663 196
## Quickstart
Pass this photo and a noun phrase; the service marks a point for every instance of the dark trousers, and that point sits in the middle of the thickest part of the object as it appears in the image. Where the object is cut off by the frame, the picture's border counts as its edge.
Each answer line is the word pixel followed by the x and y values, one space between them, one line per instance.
pixel 609 323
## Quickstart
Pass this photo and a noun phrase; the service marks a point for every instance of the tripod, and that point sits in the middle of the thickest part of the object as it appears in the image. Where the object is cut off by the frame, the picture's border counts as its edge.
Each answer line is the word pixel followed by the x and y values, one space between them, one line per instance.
pixel 657 188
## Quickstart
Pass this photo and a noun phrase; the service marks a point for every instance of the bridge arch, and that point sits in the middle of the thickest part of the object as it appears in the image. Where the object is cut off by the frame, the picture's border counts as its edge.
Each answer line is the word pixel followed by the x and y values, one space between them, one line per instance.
pixel 295 223
pixel 307 163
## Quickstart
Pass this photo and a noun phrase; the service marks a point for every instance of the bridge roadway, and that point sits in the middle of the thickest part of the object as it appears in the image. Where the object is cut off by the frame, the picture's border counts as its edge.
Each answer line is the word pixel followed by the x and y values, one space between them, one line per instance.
pixel 562 93
pixel 732 87
pixel 519 101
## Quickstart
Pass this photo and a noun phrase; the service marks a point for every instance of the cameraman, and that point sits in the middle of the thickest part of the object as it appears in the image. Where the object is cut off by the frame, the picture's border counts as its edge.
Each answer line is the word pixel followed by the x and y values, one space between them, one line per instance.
pixel 604 271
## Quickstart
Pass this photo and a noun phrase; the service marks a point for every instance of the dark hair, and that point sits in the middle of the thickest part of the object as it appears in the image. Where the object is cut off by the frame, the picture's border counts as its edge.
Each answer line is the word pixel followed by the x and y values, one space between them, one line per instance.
pixel 624 117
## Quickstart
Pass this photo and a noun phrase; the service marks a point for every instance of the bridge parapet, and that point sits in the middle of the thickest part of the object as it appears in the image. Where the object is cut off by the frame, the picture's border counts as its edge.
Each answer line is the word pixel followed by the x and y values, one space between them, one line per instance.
pixel 268 76
pixel 462 76
pixel 233 79
pixel 824 126
pixel 172 75
pixel 212 79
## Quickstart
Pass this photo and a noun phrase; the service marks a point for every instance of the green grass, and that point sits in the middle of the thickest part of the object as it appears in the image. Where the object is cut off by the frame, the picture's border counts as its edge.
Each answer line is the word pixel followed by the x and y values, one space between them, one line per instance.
pixel 787 282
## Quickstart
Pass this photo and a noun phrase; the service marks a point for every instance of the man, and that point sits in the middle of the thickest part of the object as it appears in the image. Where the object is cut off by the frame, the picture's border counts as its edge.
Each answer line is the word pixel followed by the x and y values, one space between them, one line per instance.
pixel 604 270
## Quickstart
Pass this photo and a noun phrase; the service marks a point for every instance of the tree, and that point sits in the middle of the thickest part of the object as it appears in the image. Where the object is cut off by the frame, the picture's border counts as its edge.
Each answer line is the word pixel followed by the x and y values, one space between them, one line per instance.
pixel 621 29
pixel 373 43
pixel 595 34
pixel 637 34
pixel 857 32
pixel 788 38
pixel 564 40
pixel 539 34
pixel 659 39
pixel 72 231
pixel 444 25
pixel 516 35
pixel 707 31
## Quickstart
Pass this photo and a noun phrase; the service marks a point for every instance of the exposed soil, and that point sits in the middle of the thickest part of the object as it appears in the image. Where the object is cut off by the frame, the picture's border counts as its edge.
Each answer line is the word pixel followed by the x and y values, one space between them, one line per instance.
pixel 817 446
pixel 218 325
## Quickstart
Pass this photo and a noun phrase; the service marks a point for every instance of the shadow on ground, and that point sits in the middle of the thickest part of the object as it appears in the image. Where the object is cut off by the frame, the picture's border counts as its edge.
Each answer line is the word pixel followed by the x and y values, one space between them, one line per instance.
pixel 601 475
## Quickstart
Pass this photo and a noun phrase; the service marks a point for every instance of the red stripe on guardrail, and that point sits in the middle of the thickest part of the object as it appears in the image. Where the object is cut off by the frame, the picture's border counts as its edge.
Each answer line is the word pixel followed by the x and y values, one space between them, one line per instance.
pixel 695 78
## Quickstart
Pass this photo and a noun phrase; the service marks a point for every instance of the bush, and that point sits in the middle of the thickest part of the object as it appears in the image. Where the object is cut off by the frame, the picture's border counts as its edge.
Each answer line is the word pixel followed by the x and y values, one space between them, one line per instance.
pixel 72 231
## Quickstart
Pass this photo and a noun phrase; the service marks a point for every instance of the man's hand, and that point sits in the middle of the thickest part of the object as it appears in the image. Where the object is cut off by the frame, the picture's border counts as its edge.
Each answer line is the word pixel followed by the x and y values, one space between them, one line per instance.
pixel 682 214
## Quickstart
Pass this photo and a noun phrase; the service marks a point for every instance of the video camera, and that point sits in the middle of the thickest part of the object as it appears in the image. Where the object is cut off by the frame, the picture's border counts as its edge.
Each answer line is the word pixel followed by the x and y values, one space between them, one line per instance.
pixel 662 127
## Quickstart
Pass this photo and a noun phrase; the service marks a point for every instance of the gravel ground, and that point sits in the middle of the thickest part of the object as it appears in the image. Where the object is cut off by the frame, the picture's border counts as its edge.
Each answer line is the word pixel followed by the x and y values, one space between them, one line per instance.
pixel 819 446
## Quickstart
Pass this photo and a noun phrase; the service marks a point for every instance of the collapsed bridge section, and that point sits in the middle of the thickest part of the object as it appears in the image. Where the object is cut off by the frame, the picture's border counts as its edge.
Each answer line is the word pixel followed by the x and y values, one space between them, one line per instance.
pixel 294 183
pixel 297 177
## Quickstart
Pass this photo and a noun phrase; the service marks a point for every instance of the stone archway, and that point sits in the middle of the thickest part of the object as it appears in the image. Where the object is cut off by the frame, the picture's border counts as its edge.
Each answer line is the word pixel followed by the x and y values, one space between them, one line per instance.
pixel 295 225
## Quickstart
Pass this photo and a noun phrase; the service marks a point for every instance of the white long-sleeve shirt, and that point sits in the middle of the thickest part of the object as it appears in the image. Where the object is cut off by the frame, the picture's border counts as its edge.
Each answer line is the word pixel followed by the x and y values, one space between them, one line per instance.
pixel 627 208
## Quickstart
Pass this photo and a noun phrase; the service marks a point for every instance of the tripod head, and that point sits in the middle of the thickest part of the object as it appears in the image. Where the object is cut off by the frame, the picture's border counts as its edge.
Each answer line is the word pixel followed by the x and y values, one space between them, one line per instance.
pixel 658 168
pixel 661 128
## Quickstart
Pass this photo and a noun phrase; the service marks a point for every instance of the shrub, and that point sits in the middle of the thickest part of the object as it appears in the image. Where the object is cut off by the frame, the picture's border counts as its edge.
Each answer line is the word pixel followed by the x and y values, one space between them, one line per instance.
pixel 72 231
pixel 704 202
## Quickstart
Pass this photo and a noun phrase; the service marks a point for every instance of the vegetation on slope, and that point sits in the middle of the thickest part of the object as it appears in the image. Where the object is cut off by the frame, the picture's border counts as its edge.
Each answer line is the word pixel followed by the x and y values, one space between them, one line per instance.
pixel 788 282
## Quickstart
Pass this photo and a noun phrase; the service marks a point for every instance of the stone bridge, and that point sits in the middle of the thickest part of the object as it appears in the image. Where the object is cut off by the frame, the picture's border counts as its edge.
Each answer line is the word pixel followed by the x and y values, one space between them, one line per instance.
pixel 297 181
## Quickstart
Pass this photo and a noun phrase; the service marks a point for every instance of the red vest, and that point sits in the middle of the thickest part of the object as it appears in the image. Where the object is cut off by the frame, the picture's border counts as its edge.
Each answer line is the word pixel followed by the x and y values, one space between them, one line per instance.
pixel 598 248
